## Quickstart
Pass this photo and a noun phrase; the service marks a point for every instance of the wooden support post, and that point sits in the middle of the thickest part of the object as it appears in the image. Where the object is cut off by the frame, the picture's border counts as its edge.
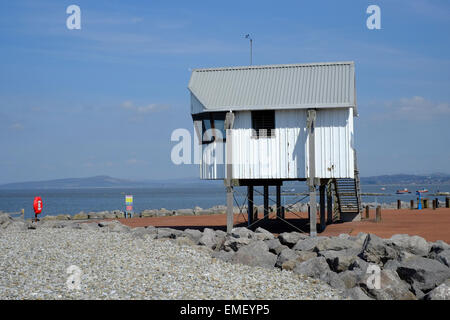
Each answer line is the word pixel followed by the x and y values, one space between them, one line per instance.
pixel 399 204
pixel 447 202
pixel 425 203
pixel 250 205
pixel 378 214
pixel 411 203
pixel 282 212
pixel 266 202
pixel 278 201
pixel 322 207
pixel 434 204
pixel 329 206
pixel 23 214
pixel 367 212
pixel 229 119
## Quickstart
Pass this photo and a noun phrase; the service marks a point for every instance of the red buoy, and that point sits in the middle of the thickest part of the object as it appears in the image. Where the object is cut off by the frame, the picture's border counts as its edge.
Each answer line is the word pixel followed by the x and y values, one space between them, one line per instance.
pixel 37 205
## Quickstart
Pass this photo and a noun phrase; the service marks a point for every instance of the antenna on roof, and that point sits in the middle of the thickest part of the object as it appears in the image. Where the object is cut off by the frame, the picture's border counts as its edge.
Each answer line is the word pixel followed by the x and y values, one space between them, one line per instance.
pixel 247 36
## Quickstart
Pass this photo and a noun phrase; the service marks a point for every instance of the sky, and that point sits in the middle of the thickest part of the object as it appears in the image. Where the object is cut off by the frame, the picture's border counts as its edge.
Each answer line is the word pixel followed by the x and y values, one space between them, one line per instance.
pixel 104 99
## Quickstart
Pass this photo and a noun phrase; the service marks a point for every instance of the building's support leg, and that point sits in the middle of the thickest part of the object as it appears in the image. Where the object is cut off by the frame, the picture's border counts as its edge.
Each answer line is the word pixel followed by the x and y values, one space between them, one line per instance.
pixel 229 119
pixel 329 205
pixel 250 205
pixel 313 211
pixel 278 201
pixel 322 207
pixel 266 202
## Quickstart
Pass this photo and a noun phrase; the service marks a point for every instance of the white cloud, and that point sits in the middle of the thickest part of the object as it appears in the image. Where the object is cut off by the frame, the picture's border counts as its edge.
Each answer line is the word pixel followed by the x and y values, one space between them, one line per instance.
pixel 417 108
pixel 129 105
pixel 16 126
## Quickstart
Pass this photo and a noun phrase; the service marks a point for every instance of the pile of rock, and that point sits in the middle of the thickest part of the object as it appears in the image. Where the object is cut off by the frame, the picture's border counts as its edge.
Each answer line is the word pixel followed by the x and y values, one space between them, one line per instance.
pixel 407 267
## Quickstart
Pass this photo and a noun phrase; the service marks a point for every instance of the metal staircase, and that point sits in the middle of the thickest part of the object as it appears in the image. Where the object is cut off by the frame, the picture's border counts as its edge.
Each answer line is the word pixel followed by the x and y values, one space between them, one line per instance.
pixel 348 193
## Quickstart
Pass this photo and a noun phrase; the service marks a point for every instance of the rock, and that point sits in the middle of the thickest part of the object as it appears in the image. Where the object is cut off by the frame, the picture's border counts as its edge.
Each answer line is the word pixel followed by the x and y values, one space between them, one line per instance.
pixel 80 216
pixel 314 267
pixel 288 265
pixel 148 213
pixel 168 233
pixel 255 254
pixel 375 250
pixel 278 249
pixel 110 215
pixel 349 278
pixel 444 257
pixel 424 273
pixel 63 217
pixel 413 244
pixel 441 292
pixel 120 228
pixel 242 232
pixel 234 244
pixel 163 212
pixel 291 238
pixel 208 238
pixel 392 265
pixel 360 238
pixel 340 260
pixel 263 234
pixel 84 226
pixel 193 234
pixel 184 212
pixel 333 280
pixel 303 256
pixel 359 265
pixel 391 287
pixel 335 243
pixel 357 293
pixel 307 244
pixel 223 255
pixel 286 255
pixel 272 244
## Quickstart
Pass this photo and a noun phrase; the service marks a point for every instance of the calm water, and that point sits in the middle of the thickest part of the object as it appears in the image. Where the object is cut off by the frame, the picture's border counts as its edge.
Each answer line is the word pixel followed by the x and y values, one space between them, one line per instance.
pixel 72 201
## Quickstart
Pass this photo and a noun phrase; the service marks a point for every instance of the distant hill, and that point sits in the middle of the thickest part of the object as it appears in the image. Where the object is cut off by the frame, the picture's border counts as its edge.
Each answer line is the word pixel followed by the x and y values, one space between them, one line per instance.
pixel 110 182
pixel 395 179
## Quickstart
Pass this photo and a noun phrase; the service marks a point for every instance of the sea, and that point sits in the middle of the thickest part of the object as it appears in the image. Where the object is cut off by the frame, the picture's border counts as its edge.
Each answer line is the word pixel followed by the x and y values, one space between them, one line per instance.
pixel 72 201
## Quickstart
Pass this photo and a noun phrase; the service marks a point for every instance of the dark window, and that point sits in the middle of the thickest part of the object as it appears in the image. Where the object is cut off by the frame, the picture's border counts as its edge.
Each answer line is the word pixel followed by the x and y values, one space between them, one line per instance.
pixel 263 123
pixel 212 126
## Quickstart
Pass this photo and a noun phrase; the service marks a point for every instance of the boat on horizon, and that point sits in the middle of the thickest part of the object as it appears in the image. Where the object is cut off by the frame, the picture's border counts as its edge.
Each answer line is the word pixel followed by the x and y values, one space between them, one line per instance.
pixel 422 191
pixel 404 191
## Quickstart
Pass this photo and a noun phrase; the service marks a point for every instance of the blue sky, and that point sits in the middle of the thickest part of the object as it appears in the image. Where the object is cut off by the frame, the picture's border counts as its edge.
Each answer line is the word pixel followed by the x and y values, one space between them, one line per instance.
pixel 105 99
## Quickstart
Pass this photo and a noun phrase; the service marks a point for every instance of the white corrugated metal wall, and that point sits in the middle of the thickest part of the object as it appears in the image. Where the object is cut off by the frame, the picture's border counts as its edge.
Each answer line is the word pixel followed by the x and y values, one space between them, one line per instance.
pixel 285 156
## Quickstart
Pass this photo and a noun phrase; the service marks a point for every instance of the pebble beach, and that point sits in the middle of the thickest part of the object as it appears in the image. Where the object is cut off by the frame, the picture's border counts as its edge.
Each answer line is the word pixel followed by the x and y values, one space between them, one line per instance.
pixel 119 265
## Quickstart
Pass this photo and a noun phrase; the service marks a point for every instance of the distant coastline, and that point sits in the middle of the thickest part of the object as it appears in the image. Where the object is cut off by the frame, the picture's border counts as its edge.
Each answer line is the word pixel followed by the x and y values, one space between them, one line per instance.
pixel 104 181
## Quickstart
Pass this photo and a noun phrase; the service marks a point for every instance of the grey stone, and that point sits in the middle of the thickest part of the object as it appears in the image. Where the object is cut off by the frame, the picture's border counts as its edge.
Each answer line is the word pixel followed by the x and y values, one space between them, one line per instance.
pixel 413 244
pixel 375 250
pixel 242 232
pixel 424 273
pixel 303 256
pixel 286 255
pixel 340 260
pixel 350 278
pixel 208 238
pixel 391 287
pixel 356 293
pixel 195 235
pixel 148 213
pixel 139 232
pixel 255 254
pixel 184 212
pixel 233 244
pixel 185 241
pixel 278 249
pixel 272 244
pixel 392 265
pixel 314 267
pixel 359 265
pixel 444 257
pixel 333 280
pixel 441 292
pixel 291 238
pixel 168 233
pixel 336 243
pixel 263 234
pixel 308 244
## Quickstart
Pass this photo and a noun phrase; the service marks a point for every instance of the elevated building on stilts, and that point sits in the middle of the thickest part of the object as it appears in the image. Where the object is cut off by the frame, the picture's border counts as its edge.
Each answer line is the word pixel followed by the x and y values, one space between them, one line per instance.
pixel 263 125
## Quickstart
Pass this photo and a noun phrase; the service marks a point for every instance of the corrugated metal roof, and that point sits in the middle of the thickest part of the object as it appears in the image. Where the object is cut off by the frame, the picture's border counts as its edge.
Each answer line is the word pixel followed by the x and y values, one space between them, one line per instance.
pixel 289 86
